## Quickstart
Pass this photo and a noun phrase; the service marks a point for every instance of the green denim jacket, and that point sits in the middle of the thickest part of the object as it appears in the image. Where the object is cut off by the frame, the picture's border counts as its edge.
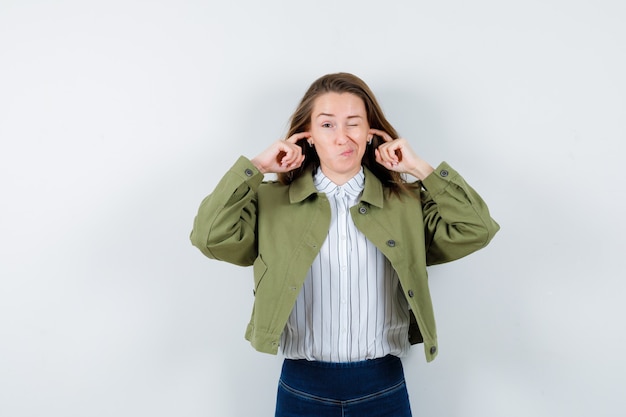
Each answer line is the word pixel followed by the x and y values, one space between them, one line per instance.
pixel 279 229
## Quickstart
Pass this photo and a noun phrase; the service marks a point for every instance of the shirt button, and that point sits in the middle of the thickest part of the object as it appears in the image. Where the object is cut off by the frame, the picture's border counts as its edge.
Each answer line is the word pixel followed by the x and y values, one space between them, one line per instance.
pixel 433 350
pixel 411 293
pixel 443 173
pixel 391 243
pixel 362 210
pixel 249 172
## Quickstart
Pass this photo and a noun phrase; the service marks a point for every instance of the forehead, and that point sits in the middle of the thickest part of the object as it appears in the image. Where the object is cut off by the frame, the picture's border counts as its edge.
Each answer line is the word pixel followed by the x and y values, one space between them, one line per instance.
pixel 339 105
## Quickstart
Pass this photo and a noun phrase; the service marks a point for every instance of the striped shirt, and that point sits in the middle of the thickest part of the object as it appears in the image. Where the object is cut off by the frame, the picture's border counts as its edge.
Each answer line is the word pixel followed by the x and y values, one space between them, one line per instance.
pixel 351 306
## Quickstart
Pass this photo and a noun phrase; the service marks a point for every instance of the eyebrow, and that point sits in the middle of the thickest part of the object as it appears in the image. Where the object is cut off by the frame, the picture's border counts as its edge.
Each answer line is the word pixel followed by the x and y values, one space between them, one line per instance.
pixel 332 115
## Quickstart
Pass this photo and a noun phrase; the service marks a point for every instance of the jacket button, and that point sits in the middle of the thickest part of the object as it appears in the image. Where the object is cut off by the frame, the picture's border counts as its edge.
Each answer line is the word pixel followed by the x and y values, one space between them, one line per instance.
pixel 433 350
pixel 443 173
pixel 411 293
pixel 391 243
pixel 249 172
pixel 362 209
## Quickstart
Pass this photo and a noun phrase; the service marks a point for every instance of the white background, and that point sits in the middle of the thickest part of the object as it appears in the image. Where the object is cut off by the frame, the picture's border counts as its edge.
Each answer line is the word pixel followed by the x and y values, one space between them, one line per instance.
pixel 117 117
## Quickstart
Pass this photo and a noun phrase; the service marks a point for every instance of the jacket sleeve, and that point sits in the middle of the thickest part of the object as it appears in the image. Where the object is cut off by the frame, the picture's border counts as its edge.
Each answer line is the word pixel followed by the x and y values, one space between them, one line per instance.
pixel 456 219
pixel 225 226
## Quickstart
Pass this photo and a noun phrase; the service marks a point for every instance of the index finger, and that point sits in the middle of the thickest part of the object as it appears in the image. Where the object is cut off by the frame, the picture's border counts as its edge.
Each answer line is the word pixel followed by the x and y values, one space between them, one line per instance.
pixel 382 134
pixel 297 137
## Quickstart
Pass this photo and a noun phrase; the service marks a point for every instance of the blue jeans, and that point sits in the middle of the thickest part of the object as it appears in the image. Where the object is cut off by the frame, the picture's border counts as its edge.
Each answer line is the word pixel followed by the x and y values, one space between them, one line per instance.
pixel 372 388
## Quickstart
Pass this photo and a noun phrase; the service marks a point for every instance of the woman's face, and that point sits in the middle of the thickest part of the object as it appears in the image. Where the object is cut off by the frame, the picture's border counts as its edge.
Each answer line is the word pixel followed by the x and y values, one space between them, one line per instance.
pixel 339 132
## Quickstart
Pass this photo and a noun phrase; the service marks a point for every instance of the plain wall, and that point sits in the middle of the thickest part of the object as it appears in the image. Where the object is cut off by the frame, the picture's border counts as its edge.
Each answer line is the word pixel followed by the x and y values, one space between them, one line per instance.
pixel 118 117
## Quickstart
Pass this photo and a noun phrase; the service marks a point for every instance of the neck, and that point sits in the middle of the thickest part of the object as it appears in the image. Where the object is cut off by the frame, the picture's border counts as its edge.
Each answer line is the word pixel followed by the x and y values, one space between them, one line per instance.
pixel 339 178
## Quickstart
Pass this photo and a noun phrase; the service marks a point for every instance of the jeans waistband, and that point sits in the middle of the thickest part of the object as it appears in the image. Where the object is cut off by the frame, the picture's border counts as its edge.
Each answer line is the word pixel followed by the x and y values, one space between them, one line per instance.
pixel 344 380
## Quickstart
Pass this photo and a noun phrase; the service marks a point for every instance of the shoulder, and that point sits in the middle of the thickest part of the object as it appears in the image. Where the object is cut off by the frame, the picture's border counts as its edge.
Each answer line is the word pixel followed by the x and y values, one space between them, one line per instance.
pixel 272 191
pixel 409 194
pixel 272 186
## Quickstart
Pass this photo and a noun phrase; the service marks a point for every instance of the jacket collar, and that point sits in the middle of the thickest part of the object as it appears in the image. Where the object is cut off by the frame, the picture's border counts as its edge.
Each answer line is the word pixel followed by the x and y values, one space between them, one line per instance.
pixel 303 187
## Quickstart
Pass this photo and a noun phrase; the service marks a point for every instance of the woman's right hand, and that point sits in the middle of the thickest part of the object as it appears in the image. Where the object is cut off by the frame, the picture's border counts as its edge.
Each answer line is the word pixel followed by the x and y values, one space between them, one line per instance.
pixel 282 155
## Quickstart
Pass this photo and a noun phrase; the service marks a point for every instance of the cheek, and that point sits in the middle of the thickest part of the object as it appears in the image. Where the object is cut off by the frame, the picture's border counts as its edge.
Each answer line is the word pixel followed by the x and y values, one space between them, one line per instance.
pixel 363 135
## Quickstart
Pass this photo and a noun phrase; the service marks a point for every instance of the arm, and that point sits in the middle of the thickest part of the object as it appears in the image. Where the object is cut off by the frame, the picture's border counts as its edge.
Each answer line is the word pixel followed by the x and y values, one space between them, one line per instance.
pixel 225 226
pixel 456 219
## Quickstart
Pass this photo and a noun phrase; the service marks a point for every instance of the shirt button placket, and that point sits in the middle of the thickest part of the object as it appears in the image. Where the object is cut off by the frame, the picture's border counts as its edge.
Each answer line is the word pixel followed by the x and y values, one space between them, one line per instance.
pixel 342 218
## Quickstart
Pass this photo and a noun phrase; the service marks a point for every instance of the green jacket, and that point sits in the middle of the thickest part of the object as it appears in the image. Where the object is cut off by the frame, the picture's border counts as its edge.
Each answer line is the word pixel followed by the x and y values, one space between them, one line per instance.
pixel 279 229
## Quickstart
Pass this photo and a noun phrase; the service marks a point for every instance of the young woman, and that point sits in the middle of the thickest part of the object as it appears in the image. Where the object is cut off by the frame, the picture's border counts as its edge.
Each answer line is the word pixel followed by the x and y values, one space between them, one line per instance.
pixel 340 245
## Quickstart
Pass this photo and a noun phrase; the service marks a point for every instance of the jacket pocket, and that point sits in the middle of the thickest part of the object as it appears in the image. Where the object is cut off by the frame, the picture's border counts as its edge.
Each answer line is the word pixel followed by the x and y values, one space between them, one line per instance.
pixel 259 269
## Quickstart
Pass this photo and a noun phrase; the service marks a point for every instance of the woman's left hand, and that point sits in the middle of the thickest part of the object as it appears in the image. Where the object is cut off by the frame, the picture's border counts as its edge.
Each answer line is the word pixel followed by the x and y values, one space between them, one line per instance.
pixel 397 155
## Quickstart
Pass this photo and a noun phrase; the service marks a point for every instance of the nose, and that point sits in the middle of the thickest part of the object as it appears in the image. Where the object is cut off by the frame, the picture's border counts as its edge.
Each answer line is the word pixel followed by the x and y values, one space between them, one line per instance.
pixel 342 135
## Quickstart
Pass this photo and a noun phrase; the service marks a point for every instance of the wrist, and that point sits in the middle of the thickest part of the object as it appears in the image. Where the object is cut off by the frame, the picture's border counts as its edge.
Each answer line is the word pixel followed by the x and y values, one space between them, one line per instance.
pixel 422 170
pixel 258 165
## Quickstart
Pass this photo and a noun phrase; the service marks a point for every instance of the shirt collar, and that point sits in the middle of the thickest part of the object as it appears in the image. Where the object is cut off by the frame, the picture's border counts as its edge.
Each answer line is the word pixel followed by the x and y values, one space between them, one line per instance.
pixel 303 186
pixel 353 188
